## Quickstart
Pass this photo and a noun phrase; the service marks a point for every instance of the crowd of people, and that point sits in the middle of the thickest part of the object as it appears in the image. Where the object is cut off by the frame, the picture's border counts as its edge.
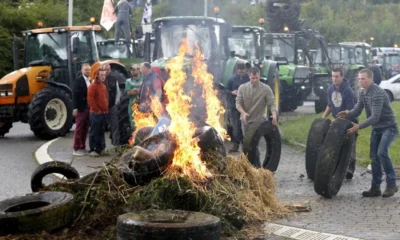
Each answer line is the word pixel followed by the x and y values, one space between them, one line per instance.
pixel 95 106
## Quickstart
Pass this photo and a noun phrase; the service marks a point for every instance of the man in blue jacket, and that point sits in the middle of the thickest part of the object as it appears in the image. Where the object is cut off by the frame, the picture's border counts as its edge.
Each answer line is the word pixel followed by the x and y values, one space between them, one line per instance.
pixel 341 98
pixel 239 78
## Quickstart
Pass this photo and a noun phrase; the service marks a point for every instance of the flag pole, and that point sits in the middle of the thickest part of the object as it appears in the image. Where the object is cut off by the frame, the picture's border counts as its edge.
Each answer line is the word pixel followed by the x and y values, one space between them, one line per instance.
pixel 70 9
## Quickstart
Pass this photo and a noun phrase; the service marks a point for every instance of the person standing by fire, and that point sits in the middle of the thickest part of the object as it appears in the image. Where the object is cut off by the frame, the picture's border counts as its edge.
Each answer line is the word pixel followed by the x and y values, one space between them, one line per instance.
pixel 239 78
pixel 98 101
pixel 252 99
pixel 132 87
pixel 152 87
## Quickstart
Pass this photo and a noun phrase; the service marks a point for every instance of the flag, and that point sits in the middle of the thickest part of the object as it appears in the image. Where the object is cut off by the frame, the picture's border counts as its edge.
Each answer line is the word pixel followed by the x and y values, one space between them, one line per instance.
pixel 147 12
pixel 108 18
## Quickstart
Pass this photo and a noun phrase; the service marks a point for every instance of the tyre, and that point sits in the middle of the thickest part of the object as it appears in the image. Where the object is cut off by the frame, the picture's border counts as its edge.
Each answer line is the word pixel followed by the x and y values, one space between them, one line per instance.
pixel 50 113
pixel 140 178
pixel 124 126
pixel 51 167
pixel 270 138
pixel 36 212
pixel 5 128
pixel 142 134
pixel 168 225
pixel 316 136
pixel 163 157
pixel 333 159
pixel 210 140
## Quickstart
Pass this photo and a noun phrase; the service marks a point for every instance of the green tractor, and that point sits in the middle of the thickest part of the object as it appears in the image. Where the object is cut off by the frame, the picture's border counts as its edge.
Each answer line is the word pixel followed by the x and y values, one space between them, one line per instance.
pixel 247 42
pixel 388 59
pixel 300 78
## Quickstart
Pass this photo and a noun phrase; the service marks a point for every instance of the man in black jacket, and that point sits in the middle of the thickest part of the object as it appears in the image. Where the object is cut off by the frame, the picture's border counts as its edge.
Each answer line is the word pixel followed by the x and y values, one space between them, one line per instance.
pixel 81 111
pixel 377 72
pixel 113 100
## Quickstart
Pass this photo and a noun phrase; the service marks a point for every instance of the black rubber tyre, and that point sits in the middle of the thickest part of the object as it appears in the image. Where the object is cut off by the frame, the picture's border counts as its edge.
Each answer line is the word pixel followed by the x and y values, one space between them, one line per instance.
pixel 210 140
pixel 316 136
pixel 50 103
pixel 51 167
pixel 168 225
pixel 333 159
pixel 320 105
pixel 273 147
pixel 36 212
pixel 125 130
pixel 142 134
pixel 163 159
pixel 5 128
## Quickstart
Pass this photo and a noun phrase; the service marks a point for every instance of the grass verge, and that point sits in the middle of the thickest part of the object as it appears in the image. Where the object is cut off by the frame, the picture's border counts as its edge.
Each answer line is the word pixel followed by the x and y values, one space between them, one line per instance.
pixel 296 130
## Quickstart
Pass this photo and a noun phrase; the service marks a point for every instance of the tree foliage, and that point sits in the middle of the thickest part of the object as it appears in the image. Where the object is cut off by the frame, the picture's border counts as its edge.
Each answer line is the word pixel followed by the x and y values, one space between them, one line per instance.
pixel 337 20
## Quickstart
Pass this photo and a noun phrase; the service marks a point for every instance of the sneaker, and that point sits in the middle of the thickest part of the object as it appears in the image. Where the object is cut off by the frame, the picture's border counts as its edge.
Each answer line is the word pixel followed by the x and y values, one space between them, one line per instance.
pixel 94 154
pixel 373 192
pixel 80 152
pixel 390 191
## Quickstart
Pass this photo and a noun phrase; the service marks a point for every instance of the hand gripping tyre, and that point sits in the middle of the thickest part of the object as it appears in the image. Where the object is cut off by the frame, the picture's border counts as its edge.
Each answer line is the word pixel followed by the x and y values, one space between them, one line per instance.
pixel 50 113
pixel 262 145
pixel 333 159
pixel 36 212
pixel 52 167
pixel 316 136
pixel 168 225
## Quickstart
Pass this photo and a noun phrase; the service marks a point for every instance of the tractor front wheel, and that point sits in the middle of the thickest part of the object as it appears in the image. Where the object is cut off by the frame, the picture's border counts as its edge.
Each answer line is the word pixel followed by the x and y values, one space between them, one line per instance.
pixel 5 128
pixel 50 113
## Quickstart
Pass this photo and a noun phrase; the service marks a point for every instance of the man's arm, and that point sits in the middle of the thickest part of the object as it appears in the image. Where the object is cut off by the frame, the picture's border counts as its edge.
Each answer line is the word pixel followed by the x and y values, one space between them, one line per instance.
pixel 376 110
pixel 357 110
pixel 327 112
pixel 228 88
pixel 76 94
pixel 91 97
pixel 349 99
pixel 240 101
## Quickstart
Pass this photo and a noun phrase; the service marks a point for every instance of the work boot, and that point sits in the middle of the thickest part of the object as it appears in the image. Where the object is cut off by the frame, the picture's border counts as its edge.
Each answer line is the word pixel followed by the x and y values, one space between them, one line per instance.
pixel 235 148
pixel 390 190
pixel 372 192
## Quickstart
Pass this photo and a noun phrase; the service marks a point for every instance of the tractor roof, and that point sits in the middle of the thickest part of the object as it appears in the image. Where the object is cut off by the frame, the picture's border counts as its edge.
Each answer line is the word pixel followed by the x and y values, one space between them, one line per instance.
pixel 64 29
pixel 189 19
pixel 243 28
pixel 356 44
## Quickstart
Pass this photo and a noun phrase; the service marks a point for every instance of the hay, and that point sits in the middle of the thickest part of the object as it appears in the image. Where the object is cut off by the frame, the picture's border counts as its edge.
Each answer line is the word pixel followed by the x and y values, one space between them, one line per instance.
pixel 238 194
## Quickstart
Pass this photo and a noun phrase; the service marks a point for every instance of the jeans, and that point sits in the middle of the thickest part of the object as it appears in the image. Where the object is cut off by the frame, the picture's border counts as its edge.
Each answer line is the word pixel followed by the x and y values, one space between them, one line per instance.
pixel 98 123
pixel 381 139
pixel 234 117
pixel 112 119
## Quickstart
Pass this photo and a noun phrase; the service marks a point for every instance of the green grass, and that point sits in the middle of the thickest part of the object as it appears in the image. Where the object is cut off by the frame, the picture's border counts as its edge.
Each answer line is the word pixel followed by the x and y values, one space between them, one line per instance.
pixel 295 129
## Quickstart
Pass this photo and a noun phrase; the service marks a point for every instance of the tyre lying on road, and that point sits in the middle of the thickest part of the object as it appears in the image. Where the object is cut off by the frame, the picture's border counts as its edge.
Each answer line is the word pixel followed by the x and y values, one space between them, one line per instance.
pixel 268 137
pixel 333 159
pixel 316 136
pixel 168 225
pixel 36 212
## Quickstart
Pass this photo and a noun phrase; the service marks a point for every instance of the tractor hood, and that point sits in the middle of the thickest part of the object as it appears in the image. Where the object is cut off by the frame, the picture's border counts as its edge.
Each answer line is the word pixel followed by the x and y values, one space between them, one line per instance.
pixel 31 72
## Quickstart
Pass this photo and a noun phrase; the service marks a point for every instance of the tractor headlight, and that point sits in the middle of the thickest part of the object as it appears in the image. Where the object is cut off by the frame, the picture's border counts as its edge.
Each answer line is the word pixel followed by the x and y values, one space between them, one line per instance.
pixel 9 93
pixel 2 94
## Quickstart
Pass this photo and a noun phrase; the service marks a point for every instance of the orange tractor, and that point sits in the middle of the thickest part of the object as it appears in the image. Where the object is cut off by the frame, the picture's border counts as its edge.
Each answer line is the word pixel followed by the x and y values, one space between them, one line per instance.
pixel 40 93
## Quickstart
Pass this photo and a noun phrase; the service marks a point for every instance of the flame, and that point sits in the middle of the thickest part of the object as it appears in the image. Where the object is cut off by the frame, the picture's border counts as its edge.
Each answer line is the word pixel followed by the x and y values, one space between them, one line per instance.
pixel 141 119
pixel 187 154
pixel 215 109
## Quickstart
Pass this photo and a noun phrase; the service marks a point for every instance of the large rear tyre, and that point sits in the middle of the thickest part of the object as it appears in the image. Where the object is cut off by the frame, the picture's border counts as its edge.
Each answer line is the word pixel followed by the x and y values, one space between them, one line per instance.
pixel 5 128
pixel 50 113
pixel 316 136
pixel 334 159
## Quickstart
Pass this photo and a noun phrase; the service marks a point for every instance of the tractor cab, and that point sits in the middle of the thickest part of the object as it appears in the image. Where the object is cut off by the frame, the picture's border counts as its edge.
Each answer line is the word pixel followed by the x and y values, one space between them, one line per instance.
pixel 246 41
pixel 388 59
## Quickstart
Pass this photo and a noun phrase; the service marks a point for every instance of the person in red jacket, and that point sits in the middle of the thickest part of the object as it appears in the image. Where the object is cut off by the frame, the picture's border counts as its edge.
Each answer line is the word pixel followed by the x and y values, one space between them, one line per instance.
pixel 98 102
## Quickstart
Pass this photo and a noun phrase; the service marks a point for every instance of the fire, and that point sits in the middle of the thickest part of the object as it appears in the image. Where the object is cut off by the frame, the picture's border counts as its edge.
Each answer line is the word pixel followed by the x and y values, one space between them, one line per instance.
pixel 186 159
pixel 141 119
pixel 215 109
pixel 187 154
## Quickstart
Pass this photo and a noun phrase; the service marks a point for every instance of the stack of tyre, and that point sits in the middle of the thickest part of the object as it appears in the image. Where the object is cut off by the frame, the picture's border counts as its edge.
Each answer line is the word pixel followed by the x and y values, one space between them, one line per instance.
pixel 281 13
pixel 328 153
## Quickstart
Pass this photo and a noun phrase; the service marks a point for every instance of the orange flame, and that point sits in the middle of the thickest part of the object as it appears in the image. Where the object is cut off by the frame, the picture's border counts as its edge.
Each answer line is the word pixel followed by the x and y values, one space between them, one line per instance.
pixel 215 109
pixel 187 154
pixel 141 120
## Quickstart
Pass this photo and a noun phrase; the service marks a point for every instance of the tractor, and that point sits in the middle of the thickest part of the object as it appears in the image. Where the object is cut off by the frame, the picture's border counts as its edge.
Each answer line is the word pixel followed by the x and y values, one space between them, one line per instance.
pixel 40 92
pixel 388 59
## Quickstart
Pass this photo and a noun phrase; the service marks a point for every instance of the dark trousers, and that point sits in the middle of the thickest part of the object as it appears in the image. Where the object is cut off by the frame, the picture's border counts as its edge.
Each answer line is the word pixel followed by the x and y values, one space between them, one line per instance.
pixel 82 128
pixel 97 128
pixel 112 120
pixel 234 117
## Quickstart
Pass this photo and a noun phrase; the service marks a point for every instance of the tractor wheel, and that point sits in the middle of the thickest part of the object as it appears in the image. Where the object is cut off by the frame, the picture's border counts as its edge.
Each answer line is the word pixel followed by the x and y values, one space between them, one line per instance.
pixel 320 105
pixel 50 113
pixel 5 128
pixel 124 126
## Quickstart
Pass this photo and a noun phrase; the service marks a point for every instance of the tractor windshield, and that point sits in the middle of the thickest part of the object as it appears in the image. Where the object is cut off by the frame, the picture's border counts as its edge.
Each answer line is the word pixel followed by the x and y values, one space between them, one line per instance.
pixel 110 49
pixel 359 55
pixel 334 53
pixel 243 44
pixel 86 50
pixel 392 65
pixel 347 55
pixel 282 48
pixel 46 47
pixel 172 35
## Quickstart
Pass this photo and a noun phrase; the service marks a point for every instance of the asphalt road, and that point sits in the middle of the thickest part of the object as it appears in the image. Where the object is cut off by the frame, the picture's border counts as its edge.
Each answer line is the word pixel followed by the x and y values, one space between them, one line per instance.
pixel 17 160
